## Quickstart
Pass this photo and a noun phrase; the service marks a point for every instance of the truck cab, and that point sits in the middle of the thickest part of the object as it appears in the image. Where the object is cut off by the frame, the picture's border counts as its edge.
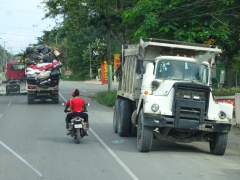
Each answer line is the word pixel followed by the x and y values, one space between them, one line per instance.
pixel 14 79
pixel 15 71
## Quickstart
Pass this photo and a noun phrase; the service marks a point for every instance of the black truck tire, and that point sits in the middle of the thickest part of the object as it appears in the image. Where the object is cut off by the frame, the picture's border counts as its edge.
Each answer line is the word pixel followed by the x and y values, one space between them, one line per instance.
pixel 30 99
pixel 219 144
pixel 116 115
pixel 56 99
pixel 133 131
pixel 124 118
pixel 144 135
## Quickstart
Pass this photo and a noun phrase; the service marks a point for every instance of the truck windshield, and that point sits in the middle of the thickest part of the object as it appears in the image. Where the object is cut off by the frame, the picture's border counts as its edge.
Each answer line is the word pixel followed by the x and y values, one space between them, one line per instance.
pixel 182 71
pixel 17 67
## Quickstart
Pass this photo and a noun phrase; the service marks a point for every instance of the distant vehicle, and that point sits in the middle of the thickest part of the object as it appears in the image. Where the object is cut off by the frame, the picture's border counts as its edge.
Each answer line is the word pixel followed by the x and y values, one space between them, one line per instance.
pixel 14 80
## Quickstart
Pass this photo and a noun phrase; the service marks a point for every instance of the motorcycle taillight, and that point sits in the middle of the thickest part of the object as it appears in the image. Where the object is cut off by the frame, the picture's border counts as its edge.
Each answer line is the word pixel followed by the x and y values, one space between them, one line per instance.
pixel 77 118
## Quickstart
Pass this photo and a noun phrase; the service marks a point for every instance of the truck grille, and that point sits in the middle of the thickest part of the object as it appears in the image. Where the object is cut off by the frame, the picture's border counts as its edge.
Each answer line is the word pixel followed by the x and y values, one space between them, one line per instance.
pixel 13 87
pixel 190 101
pixel 183 93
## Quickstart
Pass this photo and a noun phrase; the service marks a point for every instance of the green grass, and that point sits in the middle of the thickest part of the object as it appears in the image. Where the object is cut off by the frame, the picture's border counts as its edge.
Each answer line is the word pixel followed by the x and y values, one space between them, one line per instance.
pixel 77 76
pixel 70 78
pixel 106 98
pixel 226 91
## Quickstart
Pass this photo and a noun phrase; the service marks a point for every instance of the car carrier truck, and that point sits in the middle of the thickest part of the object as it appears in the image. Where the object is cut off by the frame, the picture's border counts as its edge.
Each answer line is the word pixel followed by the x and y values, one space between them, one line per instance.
pixel 164 92
pixel 13 80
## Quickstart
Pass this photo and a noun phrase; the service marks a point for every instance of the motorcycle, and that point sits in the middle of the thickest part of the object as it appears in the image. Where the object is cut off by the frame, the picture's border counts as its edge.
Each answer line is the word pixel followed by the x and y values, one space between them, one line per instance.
pixel 77 131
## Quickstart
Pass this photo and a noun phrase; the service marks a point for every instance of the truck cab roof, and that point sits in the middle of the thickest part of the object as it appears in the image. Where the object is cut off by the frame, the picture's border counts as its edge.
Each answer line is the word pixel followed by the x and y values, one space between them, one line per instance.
pixel 180 58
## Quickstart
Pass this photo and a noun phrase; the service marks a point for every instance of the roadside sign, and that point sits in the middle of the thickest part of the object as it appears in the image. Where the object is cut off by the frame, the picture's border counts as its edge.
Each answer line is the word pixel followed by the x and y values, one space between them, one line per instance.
pixel 104 72
pixel 95 52
pixel 117 61
pixel 68 73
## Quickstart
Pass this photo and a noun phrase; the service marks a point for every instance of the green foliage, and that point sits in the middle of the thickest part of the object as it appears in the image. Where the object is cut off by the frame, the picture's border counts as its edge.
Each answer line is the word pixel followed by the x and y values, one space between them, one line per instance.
pixel 236 63
pixel 75 77
pixel 8 56
pixel 106 98
pixel 227 91
pixel 84 21
pixel 189 21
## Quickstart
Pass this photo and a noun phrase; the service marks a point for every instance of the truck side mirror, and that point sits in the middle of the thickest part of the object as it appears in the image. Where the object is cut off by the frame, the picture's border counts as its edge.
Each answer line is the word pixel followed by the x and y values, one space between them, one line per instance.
pixel 155 84
pixel 139 67
pixel 222 76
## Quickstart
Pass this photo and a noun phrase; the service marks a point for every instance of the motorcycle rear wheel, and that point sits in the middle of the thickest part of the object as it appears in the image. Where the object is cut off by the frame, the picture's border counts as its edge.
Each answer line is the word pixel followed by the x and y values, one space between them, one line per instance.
pixel 78 137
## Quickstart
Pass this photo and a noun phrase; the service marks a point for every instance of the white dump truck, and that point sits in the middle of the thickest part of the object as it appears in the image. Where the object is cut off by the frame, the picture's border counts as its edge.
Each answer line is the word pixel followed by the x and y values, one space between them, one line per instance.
pixel 164 92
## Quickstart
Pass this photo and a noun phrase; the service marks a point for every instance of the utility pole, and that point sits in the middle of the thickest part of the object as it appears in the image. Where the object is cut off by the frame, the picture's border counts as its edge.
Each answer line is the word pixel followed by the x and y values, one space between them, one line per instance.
pixel 109 60
pixel 90 58
pixel 56 39
pixel 2 59
pixel 3 62
pixel 10 55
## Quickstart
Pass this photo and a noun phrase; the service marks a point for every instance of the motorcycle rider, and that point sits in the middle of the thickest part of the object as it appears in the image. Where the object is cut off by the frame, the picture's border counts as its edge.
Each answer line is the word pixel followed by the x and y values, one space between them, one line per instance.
pixel 66 107
pixel 77 107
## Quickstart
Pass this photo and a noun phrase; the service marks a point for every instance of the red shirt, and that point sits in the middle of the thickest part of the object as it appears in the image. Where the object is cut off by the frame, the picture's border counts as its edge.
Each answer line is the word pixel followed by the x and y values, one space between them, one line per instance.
pixel 68 103
pixel 77 104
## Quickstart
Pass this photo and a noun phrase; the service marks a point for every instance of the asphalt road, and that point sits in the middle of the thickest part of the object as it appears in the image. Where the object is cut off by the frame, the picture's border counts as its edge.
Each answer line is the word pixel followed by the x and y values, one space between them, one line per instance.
pixel 34 145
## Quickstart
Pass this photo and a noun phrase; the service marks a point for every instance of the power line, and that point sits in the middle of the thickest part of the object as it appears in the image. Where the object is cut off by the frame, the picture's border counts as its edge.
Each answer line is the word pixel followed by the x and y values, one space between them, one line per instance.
pixel 204 14
pixel 234 15
pixel 224 23
pixel 13 41
pixel 23 11
pixel 16 35
pixel 184 11
pixel 198 7
pixel 188 5
pixel 32 29
pixel 190 16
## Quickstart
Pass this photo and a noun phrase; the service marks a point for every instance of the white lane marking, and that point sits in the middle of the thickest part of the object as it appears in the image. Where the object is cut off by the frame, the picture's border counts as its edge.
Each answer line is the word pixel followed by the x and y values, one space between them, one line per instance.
pixel 112 153
pixel 63 97
pixel 115 156
pixel 0 115
pixel 84 91
pixel 9 103
pixel 19 157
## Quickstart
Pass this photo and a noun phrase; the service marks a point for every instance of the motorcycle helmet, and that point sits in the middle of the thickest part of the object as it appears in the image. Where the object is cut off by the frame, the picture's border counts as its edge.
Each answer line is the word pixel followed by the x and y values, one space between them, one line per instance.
pixel 73 93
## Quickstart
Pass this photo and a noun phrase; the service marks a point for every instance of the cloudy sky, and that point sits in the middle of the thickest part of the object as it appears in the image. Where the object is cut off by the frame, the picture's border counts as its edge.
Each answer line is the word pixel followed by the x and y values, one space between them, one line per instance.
pixel 21 23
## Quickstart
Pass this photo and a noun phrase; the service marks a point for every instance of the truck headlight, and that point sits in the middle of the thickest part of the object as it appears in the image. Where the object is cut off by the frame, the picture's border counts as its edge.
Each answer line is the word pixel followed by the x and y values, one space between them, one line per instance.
pixel 155 107
pixel 196 98
pixel 222 115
